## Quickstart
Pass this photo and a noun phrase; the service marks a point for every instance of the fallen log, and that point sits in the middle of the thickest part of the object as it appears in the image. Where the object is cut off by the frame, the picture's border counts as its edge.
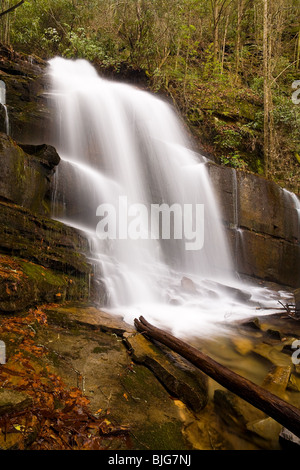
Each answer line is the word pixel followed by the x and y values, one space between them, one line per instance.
pixel 278 409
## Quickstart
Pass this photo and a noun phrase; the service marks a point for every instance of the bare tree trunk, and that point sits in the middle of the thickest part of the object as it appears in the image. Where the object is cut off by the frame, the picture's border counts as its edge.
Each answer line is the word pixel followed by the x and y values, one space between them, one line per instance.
pixel 240 6
pixel 216 18
pixel 224 42
pixel 267 91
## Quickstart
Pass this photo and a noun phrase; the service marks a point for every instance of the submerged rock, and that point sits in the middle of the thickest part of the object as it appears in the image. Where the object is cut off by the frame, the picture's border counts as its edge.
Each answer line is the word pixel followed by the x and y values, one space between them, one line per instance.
pixel 234 411
pixel 277 380
pixel 242 345
pixel 241 416
pixel 237 294
pixel 188 285
pixel 267 429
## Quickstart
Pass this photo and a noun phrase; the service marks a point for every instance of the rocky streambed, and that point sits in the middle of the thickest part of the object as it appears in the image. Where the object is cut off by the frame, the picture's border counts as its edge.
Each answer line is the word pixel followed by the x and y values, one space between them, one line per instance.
pixel 152 397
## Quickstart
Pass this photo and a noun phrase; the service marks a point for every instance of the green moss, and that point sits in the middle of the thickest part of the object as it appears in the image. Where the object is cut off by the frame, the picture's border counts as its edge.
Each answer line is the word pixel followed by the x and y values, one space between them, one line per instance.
pixel 58 317
pixel 19 168
pixel 166 436
pixel 41 274
pixel 247 109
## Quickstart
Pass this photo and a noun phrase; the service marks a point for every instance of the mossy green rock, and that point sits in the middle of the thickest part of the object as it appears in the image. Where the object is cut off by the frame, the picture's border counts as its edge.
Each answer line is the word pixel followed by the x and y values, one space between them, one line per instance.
pixel 25 177
pixel 48 261
pixel 24 284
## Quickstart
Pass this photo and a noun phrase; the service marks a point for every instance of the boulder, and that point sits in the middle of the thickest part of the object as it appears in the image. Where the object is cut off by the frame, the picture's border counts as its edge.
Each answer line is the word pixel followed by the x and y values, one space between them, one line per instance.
pixel 188 285
pixel 26 172
pixel 277 380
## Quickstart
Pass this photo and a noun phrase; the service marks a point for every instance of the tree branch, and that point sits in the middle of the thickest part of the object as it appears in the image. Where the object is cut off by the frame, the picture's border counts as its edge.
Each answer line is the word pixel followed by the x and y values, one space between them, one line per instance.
pixel 11 8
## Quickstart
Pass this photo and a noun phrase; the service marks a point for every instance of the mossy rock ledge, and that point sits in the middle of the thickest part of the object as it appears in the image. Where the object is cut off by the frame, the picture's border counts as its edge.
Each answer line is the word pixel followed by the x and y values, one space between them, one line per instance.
pixel 26 173
pixel 41 260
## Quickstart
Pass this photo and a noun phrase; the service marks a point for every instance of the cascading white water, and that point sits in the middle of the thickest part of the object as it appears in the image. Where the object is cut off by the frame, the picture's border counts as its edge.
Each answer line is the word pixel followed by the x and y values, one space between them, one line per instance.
pixel 120 144
pixel 3 102
pixel 293 201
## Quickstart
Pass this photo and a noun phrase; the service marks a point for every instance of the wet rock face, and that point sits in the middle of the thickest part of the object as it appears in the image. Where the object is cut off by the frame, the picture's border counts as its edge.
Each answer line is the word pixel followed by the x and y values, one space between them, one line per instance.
pixel 26 171
pixel 24 284
pixel 261 223
pixel 42 241
pixel 268 258
pixel 28 106
pixel 264 208
pixel 42 260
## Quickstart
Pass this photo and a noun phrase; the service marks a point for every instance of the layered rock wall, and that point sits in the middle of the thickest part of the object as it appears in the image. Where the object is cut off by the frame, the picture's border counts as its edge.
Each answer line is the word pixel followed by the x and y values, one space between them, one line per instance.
pixel 262 224
pixel 41 260
pixel 27 101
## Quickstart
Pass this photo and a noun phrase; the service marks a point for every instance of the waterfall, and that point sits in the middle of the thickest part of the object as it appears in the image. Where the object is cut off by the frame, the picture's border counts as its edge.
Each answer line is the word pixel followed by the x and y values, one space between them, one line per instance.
pixel 3 102
pixel 126 148
pixel 239 245
pixel 293 201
